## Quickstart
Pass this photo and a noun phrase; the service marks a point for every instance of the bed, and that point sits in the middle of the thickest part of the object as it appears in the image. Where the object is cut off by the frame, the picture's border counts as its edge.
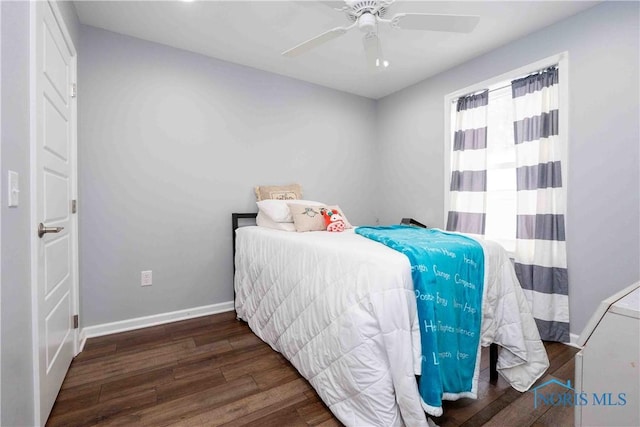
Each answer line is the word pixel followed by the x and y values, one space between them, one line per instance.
pixel 342 309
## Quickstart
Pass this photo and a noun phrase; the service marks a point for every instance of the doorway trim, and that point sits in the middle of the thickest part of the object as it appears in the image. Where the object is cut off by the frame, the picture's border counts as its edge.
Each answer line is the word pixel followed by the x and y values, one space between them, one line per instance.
pixel 1 183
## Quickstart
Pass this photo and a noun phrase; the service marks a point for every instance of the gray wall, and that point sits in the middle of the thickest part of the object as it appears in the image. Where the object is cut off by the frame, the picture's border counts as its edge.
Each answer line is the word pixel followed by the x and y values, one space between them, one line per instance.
pixel 160 177
pixel 171 143
pixel 603 216
pixel 70 17
pixel 17 387
pixel 16 370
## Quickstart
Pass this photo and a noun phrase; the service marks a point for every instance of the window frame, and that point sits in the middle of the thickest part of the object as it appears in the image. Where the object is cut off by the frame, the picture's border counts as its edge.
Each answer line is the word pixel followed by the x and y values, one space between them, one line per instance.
pixel 560 59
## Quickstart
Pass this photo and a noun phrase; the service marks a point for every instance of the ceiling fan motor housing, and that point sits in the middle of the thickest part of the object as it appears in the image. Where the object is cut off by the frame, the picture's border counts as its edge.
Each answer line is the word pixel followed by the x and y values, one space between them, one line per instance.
pixel 356 8
pixel 367 23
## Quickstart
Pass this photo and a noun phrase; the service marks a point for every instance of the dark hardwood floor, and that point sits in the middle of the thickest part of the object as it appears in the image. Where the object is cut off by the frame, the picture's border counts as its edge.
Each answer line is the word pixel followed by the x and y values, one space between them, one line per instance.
pixel 212 370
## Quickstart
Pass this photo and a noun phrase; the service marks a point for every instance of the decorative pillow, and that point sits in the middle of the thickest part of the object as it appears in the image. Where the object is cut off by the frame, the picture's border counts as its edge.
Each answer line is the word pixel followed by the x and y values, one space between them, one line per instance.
pixel 263 220
pixel 278 210
pixel 283 192
pixel 307 217
pixel 333 220
pixel 347 224
pixel 310 217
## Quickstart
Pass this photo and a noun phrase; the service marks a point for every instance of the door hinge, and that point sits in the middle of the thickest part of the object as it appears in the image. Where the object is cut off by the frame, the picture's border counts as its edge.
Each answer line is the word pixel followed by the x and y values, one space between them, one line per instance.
pixel 74 206
pixel 75 321
pixel 74 90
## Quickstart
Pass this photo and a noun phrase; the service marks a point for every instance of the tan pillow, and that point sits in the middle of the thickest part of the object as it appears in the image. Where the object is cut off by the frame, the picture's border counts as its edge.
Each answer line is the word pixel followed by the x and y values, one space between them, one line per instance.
pixel 309 217
pixel 279 192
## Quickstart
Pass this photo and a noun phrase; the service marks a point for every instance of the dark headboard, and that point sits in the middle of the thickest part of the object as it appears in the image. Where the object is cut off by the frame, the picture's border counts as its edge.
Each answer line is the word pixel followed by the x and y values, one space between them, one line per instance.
pixel 234 225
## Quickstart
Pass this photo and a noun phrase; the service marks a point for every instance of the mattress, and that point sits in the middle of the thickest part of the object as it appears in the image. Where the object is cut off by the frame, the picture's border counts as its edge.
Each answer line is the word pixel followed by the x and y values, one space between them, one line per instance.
pixel 342 309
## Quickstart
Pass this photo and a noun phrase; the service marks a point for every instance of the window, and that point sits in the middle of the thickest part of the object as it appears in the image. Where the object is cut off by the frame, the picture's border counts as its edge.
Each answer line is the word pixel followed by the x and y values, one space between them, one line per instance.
pixel 501 170
pixel 500 197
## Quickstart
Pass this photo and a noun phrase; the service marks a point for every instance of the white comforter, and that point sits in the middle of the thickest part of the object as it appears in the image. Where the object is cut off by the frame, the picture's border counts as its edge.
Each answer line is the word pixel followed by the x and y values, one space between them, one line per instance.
pixel 342 309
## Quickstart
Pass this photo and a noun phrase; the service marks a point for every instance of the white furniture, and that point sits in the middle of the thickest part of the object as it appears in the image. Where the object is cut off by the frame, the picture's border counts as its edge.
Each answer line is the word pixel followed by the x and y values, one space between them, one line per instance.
pixel 608 366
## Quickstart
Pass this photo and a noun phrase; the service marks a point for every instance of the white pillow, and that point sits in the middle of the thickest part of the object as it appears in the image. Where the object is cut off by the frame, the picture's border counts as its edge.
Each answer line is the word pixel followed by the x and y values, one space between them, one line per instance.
pixel 278 210
pixel 263 220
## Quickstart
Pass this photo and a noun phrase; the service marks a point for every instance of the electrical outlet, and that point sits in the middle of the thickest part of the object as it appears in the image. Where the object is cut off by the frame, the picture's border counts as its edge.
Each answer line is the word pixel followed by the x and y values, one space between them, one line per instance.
pixel 145 278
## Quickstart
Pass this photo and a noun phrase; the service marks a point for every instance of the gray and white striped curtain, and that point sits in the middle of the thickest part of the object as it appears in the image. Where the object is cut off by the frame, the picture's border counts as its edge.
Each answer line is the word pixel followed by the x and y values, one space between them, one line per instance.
pixel 540 257
pixel 469 166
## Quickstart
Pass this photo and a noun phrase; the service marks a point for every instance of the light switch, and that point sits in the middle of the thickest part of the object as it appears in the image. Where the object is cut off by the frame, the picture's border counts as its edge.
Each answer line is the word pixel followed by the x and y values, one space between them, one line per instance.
pixel 14 189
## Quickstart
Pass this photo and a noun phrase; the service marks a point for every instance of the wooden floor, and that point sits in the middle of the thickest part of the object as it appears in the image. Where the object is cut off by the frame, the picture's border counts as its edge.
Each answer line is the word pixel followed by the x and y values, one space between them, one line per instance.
pixel 213 371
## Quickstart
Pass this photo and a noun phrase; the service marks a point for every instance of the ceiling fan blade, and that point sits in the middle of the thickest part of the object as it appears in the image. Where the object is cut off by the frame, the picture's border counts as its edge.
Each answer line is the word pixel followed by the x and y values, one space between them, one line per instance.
pixel 333 4
pixel 316 41
pixel 324 5
pixel 431 22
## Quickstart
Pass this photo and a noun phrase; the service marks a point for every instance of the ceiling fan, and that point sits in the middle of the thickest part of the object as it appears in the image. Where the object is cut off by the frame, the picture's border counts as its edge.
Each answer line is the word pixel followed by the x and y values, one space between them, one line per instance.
pixel 366 15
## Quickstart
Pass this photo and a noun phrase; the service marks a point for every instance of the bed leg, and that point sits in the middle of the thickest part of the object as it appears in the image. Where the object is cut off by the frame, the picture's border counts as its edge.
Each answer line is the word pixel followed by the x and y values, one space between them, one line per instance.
pixel 493 362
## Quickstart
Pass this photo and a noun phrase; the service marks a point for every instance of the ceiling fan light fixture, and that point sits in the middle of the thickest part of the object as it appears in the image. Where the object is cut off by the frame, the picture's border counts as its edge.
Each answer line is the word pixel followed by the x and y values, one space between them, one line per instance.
pixel 382 63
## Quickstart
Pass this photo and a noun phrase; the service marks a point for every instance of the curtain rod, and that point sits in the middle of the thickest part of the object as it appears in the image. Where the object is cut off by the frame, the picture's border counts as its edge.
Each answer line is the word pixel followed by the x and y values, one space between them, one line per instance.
pixel 505 85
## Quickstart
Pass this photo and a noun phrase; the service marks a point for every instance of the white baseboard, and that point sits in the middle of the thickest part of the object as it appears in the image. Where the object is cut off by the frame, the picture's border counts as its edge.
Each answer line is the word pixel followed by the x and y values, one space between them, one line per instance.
pixel 153 320
pixel 573 341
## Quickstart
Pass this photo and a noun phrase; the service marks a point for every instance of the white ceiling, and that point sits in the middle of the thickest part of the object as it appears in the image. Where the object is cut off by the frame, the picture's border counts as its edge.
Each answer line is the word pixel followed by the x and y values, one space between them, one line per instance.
pixel 254 33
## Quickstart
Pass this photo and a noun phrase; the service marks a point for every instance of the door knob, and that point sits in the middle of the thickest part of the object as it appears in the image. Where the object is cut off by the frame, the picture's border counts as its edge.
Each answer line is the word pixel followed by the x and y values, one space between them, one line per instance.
pixel 42 230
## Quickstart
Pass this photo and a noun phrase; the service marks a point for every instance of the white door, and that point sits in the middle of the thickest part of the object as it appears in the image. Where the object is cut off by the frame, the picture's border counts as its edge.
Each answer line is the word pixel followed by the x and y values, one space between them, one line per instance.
pixel 54 254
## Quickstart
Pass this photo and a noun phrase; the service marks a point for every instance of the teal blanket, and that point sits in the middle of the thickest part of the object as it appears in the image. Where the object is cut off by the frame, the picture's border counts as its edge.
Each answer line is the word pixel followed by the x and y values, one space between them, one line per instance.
pixel 448 276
